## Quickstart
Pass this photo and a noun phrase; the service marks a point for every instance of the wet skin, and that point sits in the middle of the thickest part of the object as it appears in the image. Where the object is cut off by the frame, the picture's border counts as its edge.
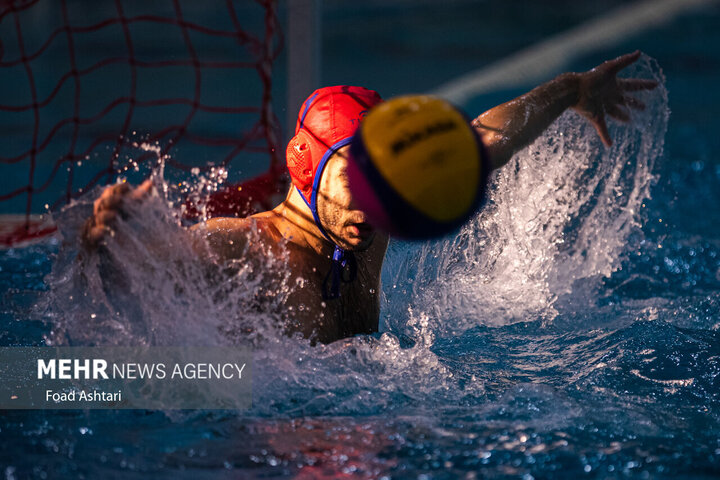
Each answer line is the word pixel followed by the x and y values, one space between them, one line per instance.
pixel 289 228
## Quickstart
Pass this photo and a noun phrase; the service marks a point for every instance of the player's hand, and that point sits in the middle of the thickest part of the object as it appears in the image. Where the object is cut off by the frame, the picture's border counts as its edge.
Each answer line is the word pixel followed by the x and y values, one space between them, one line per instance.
pixel 601 93
pixel 108 207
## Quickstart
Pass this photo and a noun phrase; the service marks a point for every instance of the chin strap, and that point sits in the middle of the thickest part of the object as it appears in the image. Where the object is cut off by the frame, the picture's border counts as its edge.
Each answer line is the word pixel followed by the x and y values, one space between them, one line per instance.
pixel 343 269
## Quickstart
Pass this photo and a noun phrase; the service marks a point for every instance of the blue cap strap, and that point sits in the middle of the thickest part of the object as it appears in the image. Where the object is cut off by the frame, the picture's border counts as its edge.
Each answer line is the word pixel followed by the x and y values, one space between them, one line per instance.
pixel 342 269
pixel 316 181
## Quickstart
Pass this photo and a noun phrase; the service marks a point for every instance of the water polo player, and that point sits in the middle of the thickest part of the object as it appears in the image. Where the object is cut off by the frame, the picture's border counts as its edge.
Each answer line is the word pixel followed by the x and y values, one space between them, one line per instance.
pixel 332 246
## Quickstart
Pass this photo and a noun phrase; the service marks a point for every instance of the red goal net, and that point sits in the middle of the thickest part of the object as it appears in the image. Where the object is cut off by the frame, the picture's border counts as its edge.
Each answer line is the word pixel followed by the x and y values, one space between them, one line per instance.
pixel 86 83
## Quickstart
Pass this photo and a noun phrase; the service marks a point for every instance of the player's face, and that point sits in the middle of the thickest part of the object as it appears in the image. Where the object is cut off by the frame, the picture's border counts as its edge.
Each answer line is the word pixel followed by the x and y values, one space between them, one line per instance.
pixel 339 215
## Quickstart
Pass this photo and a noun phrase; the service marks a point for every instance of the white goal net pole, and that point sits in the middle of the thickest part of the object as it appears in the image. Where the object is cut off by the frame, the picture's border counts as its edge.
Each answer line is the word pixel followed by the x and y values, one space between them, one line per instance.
pixel 303 45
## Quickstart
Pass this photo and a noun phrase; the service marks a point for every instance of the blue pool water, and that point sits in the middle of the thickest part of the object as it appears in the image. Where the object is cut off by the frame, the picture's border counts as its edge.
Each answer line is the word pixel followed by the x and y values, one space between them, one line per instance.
pixel 571 330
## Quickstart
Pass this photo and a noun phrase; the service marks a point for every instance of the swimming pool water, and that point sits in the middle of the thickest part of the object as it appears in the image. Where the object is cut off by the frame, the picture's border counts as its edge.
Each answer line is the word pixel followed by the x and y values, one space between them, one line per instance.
pixel 572 330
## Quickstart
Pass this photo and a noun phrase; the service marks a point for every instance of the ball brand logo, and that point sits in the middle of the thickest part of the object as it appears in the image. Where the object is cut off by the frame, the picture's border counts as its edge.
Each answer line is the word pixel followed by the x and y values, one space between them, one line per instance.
pixel 403 110
pixel 419 168
pixel 412 138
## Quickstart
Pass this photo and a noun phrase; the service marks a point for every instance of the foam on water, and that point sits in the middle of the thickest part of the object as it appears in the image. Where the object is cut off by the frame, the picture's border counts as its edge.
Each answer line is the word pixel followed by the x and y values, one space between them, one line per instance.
pixel 551 334
pixel 561 212
pixel 557 217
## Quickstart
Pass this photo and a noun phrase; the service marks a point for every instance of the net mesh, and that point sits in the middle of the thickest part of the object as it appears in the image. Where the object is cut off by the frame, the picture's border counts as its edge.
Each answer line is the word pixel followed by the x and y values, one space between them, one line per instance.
pixel 86 84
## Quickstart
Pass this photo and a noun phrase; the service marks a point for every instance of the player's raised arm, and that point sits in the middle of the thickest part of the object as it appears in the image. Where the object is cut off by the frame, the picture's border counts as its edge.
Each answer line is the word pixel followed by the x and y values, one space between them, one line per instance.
pixel 594 94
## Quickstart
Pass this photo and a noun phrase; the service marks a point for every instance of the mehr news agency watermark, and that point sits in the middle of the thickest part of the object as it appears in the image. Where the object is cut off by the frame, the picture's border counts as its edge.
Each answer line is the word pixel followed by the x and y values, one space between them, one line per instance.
pixel 125 377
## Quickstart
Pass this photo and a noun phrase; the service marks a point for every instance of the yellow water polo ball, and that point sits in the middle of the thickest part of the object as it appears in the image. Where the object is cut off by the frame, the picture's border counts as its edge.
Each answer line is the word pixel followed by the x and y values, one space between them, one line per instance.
pixel 418 168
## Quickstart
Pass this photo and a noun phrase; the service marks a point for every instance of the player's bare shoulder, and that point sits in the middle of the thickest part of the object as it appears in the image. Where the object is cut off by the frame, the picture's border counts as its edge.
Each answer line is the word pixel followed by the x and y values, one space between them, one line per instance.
pixel 232 238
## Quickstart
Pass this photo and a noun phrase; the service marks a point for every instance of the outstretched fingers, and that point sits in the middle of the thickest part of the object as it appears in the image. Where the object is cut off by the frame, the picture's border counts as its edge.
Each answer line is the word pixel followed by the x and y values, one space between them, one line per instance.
pixel 617 64
pixel 602 130
pixel 602 94
pixel 618 113
pixel 636 84
pixel 633 102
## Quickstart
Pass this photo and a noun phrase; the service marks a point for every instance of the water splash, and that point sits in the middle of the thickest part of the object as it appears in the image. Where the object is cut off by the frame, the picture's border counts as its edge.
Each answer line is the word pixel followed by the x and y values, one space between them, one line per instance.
pixel 623 381
pixel 153 281
pixel 558 218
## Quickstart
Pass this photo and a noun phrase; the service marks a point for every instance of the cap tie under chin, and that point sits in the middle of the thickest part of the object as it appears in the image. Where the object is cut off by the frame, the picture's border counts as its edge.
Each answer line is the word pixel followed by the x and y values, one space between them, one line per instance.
pixel 343 269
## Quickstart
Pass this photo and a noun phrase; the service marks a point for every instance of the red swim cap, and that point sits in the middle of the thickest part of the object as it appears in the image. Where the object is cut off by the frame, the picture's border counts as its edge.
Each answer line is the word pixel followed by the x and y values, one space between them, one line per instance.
pixel 327 121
